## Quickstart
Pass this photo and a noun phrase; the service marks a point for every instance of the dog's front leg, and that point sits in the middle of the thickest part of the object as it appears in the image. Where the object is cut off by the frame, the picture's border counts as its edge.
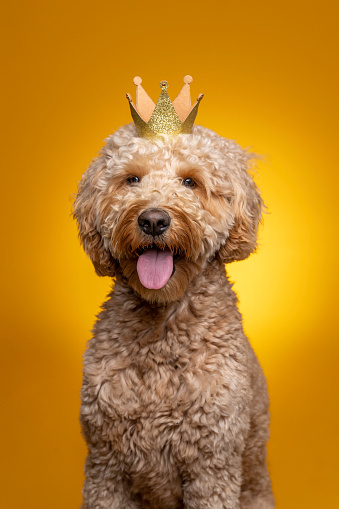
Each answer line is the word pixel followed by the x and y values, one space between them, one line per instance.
pixel 214 481
pixel 105 487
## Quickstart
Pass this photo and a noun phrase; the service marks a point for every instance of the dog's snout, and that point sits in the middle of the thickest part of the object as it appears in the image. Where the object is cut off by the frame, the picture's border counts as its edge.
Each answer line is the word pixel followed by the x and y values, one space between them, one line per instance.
pixel 154 221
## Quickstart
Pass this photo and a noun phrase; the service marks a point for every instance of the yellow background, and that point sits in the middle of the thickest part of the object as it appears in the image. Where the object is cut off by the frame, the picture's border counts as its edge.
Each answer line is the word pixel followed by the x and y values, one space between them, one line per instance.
pixel 269 72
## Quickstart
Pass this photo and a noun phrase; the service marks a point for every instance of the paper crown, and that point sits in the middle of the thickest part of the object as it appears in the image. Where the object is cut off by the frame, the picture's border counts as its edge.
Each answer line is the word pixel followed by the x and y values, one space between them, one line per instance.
pixel 165 117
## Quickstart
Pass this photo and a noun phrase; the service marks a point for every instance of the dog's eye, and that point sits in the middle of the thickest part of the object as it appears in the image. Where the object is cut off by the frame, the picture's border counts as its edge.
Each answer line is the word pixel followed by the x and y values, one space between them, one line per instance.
pixel 189 182
pixel 133 179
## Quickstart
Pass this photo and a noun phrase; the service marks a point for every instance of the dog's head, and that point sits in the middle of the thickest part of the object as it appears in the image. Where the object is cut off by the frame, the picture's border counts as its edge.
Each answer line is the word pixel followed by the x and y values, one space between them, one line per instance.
pixel 157 211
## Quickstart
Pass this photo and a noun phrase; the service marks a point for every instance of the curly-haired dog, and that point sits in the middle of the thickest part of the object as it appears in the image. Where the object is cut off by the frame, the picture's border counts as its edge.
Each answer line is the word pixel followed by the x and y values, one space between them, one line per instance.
pixel 174 402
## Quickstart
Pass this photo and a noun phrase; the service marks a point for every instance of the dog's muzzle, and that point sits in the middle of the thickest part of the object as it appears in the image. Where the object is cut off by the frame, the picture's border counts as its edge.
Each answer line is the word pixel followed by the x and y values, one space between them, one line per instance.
pixel 155 266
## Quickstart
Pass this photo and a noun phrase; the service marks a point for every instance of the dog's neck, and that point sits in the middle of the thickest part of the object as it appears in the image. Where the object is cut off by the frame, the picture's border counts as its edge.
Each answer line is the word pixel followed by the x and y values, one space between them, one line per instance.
pixel 196 302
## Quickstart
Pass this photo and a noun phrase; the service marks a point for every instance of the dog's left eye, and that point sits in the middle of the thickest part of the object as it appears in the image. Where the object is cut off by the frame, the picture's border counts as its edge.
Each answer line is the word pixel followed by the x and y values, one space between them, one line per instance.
pixel 189 182
pixel 133 179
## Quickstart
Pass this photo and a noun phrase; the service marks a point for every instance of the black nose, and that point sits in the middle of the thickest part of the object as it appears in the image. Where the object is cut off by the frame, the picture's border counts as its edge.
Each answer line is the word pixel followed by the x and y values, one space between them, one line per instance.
pixel 154 221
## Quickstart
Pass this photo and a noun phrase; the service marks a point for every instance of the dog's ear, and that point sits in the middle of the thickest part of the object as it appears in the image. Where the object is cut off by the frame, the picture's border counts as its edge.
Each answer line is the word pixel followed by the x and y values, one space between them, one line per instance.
pixel 247 206
pixel 86 211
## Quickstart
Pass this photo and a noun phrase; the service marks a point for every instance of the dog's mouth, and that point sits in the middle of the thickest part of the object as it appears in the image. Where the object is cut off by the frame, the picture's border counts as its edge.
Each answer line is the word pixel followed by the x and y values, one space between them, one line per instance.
pixel 155 266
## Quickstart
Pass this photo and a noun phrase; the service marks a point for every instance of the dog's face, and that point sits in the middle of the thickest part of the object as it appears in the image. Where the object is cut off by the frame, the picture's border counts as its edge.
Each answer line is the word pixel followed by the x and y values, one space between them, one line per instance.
pixel 158 211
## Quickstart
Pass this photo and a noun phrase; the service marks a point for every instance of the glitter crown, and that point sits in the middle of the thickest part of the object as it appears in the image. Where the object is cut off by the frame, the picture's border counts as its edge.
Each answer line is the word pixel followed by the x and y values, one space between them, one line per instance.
pixel 165 117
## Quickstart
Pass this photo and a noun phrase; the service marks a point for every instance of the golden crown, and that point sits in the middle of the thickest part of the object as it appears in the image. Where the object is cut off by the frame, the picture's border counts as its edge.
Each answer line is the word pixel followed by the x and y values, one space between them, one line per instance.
pixel 165 117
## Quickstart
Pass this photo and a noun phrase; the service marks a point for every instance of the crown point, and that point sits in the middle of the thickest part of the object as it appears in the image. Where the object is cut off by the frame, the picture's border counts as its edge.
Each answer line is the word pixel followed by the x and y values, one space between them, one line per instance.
pixel 165 117
pixel 137 80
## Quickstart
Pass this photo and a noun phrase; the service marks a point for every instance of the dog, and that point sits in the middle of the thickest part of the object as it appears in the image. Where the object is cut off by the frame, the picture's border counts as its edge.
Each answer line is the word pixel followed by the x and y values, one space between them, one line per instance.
pixel 175 409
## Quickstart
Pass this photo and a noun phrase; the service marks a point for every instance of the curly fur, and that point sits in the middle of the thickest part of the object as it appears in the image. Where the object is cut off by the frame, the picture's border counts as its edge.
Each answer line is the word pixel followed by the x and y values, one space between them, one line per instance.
pixel 174 402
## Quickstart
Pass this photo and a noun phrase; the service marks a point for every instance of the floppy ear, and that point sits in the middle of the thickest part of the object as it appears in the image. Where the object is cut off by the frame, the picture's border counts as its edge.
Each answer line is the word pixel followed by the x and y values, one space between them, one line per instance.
pixel 87 212
pixel 247 206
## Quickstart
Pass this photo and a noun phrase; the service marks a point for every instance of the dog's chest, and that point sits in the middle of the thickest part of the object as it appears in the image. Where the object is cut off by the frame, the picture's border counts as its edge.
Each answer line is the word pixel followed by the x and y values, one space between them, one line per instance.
pixel 151 387
pixel 145 387
pixel 150 394
pixel 160 397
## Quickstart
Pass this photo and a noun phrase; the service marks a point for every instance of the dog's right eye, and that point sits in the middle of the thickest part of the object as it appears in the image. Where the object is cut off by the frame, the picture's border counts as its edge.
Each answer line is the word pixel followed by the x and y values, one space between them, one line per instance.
pixel 188 182
pixel 133 179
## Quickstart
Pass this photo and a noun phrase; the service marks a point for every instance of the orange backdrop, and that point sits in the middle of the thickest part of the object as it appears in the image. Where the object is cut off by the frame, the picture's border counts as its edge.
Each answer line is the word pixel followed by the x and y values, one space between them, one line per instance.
pixel 269 72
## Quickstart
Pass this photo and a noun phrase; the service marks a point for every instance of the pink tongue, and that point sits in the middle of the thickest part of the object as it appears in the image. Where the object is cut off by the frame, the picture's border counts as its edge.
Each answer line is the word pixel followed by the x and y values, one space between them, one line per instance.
pixel 154 268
